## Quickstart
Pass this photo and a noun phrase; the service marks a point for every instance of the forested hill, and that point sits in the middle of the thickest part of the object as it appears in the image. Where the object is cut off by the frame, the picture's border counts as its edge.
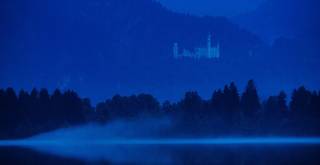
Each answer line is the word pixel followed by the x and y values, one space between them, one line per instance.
pixel 112 43
pixel 121 28
pixel 286 18
pixel 125 46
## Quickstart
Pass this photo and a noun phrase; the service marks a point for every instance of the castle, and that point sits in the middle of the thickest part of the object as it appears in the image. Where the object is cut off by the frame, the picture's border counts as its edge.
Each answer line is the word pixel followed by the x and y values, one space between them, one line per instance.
pixel 209 52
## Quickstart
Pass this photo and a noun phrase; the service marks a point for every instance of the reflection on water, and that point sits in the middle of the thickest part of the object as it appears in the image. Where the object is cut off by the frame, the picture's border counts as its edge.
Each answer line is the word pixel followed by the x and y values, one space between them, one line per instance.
pixel 162 154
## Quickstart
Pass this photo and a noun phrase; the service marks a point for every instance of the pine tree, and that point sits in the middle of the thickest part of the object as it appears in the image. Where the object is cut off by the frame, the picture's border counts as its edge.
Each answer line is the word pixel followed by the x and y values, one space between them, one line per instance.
pixel 250 103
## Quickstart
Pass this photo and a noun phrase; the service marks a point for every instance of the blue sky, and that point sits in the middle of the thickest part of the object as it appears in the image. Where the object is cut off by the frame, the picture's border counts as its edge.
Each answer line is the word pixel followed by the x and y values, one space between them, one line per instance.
pixel 212 7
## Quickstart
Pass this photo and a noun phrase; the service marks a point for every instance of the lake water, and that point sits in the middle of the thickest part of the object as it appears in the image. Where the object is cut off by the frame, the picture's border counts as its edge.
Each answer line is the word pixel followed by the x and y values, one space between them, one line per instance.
pixel 162 154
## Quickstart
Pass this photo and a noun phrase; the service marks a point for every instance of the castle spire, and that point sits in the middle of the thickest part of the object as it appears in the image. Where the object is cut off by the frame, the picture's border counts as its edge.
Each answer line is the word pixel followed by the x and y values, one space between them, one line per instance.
pixel 209 46
pixel 175 50
pixel 218 50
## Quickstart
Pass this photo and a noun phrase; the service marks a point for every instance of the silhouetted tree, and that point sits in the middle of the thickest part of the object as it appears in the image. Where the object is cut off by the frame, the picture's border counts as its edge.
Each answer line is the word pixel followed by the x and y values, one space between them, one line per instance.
pixel 24 100
pixel 275 113
pixel 271 106
pixel 102 114
pixel 314 104
pixel 88 110
pixel 122 106
pixel 276 106
pixel 282 101
pixel 191 102
pixel 250 103
pixel 231 100
pixel 217 100
pixel 4 112
pixel 300 100
pixel 167 106
pixel 44 107
pixel 148 104
pixel 57 113
pixel 72 105
pixel 234 97
pixel 24 108
pixel 128 107
pixel 192 114
pixel 34 109
pixel 2 98
pixel 9 113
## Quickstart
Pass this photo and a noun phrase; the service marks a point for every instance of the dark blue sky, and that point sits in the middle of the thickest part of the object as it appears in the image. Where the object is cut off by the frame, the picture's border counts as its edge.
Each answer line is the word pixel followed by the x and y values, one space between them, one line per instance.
pixel 212 7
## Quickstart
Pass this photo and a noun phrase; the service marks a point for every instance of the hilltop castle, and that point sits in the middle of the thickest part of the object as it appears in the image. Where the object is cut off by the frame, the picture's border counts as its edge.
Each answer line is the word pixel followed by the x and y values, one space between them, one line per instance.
pixel 209 52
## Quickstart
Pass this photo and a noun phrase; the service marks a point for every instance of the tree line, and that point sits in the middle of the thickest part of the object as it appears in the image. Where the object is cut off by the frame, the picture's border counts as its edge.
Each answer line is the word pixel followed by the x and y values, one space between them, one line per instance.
pixel 26 114
pixel 227 112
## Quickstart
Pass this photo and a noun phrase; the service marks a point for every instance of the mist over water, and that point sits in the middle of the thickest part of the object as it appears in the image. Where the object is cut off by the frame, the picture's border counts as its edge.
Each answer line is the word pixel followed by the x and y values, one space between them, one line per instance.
pixel 84 142
pixel 142 141
pixel 135 128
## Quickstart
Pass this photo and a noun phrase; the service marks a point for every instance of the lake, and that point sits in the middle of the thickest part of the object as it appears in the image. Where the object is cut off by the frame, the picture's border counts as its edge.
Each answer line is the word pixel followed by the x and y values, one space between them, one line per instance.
pixel 261 154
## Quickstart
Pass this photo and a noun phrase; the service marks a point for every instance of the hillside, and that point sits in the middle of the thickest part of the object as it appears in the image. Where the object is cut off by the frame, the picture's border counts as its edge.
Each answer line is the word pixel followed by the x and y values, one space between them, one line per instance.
pixel 124 46
pixel 284 18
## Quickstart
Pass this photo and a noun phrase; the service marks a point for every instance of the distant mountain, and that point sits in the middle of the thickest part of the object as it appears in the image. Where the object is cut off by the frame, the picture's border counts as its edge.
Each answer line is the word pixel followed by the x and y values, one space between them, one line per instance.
pixel 284 18
pixel 125 46
pixel 292 28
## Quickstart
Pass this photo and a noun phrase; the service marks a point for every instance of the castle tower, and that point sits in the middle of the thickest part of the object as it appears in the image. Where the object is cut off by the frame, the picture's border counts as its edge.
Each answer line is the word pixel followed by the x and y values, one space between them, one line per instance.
pixel 175 50
pixel 209 55
pixel 218 50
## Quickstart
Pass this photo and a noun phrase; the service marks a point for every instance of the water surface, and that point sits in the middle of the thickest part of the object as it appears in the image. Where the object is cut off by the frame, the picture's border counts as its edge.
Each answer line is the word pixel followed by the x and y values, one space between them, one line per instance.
pixel 47 152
